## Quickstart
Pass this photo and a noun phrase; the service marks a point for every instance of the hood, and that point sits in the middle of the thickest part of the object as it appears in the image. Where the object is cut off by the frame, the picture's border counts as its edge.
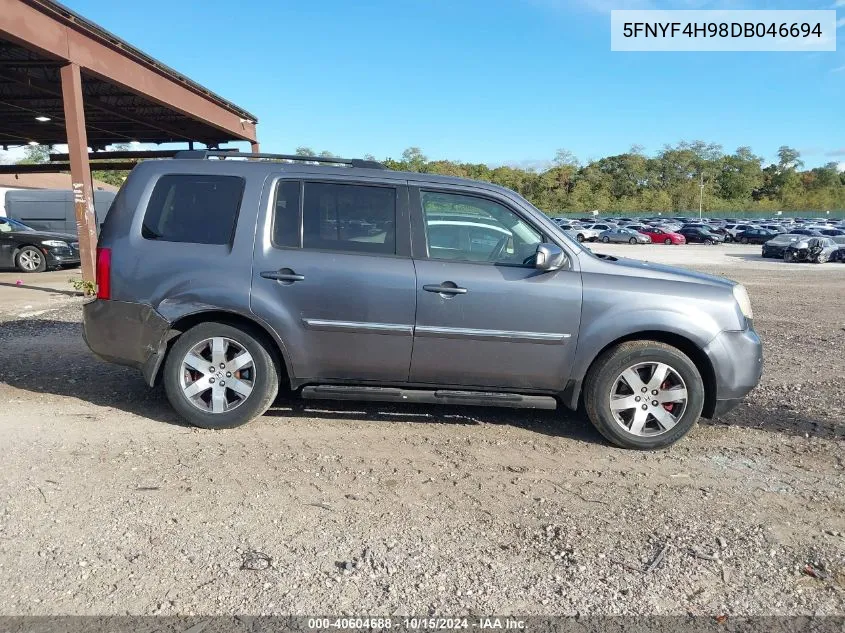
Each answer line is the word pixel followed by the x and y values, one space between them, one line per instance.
pixel 637 268
pixel 48 235
pixel 802 243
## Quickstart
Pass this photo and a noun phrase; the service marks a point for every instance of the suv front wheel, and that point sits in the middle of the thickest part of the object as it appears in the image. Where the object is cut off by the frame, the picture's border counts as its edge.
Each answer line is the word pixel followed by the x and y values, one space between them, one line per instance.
pixel 218 376
pixel 643 394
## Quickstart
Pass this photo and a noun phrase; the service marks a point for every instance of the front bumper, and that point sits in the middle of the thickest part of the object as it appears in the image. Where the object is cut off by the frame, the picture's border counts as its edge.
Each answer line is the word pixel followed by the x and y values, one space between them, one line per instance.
pixel 61 256
pixel 737 359
pixel 125 333
pixel 725 406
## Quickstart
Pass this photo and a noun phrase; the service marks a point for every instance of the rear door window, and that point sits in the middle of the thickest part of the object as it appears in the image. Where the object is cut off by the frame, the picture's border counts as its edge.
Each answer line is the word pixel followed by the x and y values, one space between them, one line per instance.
pixel 353 218
pixel 200 209
pixel 286 223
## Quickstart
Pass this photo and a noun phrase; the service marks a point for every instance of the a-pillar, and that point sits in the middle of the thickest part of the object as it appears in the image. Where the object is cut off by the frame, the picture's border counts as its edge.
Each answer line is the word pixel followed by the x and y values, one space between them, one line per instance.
pixel 80 169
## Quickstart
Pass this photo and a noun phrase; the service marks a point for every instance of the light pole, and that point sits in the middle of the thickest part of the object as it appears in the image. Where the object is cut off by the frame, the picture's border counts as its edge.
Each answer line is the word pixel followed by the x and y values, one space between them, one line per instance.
pixel 700 195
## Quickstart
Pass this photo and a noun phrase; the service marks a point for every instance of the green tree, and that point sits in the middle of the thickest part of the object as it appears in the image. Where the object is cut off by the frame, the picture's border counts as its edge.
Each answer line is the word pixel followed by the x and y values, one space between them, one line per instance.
pixel 112 177
pixel 739 176
pixel 35 154
pixel 789 159
pixel 565 158
pixel 414 159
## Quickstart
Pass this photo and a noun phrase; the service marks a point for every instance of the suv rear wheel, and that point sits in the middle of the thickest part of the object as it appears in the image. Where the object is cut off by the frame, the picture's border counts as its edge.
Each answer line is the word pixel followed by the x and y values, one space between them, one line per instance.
pixel 218 376
pixel 643 394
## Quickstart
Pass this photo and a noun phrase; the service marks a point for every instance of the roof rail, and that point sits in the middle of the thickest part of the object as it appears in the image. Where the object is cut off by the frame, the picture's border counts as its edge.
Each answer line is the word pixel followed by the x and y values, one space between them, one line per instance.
pixel 203 154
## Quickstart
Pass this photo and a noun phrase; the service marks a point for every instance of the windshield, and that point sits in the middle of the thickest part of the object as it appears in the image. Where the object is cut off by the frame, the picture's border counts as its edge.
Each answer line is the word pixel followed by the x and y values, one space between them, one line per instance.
pixel 7 225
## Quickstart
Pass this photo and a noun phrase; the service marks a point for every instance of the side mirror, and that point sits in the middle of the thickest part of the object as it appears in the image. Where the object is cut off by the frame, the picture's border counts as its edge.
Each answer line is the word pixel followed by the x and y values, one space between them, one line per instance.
pixel 549 257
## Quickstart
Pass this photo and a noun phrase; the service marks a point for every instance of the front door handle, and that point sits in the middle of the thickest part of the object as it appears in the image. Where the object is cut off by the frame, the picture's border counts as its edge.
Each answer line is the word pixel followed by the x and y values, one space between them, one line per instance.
pixel 446 288
pixel 283 275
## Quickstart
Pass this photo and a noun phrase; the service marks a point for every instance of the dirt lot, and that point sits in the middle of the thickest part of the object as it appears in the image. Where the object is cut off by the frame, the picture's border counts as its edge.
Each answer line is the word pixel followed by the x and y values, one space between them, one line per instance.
pixel 111 506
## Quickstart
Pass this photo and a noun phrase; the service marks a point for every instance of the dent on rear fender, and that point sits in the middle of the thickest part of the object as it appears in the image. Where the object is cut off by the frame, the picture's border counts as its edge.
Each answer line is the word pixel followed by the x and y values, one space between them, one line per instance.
pixel 178 307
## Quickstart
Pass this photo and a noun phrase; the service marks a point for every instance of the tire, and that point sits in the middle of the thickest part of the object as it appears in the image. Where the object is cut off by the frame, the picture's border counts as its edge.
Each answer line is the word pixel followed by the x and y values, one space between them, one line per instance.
pixel 667 241
pixel 602 383
pixel 633 240
pixel 264 371
pixel 605 239
pixel 788 256
pixel 580 237
pixel 743 240
pixel 30 260
pixel 708 242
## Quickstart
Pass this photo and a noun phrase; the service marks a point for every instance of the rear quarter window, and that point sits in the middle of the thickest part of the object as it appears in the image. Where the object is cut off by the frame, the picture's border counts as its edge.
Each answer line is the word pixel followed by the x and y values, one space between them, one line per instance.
pixel 200 209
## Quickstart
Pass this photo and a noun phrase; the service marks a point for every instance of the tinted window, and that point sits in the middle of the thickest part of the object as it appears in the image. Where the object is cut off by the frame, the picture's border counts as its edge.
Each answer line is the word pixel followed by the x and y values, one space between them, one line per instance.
pixel 286 215
pixel 356 218
pixel 8 225
pixel 197 209
pixel 473 229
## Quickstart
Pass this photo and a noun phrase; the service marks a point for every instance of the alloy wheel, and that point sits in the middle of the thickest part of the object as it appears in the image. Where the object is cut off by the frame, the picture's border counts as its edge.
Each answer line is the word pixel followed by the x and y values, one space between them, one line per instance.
pixel 217 375
pixel 30 259
pixel 648 399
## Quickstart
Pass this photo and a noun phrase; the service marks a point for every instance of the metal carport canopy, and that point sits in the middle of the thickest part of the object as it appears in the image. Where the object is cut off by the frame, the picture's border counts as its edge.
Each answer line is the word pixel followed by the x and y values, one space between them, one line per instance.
pixel 63 79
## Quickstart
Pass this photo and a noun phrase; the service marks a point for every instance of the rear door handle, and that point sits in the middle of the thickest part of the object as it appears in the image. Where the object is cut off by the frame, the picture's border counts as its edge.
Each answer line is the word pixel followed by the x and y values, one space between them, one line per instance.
pixel 285 274
pixel 446 288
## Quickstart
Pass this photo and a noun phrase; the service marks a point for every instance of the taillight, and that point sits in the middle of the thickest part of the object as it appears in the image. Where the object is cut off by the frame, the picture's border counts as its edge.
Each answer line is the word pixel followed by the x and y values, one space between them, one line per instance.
pixel 103 273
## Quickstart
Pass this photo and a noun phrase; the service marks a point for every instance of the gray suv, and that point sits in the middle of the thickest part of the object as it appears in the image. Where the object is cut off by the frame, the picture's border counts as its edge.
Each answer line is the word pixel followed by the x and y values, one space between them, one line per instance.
pixel 226 276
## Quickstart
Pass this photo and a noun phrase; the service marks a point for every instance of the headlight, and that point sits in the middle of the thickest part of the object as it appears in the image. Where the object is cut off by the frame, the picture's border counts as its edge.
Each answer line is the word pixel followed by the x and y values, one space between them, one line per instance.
pixel 56 243
pixel 742 300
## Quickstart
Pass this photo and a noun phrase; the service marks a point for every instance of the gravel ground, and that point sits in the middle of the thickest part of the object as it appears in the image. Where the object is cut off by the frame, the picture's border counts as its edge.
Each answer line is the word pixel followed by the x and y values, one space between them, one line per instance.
pixel 109 505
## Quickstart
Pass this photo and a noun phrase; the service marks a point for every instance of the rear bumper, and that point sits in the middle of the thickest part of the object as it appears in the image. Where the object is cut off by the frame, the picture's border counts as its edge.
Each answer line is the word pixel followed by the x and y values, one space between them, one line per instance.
pixel 737 359
pixel 130 334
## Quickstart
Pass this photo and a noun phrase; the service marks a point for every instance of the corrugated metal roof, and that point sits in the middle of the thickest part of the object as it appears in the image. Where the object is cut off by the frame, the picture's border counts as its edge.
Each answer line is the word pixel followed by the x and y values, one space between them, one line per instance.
pixel 82 23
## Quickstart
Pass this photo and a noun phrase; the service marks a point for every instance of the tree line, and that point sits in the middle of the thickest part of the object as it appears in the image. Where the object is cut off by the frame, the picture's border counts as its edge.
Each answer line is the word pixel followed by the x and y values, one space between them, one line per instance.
pixel 673 180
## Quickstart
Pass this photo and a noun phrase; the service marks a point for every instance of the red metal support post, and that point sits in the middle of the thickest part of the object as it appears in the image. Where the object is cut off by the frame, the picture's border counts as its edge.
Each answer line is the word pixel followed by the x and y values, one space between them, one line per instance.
pixel 80 170
pixel 256 149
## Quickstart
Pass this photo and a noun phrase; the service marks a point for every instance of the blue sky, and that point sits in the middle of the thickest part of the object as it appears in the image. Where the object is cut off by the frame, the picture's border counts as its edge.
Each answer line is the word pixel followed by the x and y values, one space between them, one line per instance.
pixel 495 81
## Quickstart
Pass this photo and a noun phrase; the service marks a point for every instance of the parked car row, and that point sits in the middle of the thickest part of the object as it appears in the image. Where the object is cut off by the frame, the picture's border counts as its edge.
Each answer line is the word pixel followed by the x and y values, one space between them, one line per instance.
pixel 683 230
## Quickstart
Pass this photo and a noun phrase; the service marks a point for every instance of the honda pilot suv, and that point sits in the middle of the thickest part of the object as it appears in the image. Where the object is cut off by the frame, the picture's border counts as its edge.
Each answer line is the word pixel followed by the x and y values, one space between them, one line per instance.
pixel 227 277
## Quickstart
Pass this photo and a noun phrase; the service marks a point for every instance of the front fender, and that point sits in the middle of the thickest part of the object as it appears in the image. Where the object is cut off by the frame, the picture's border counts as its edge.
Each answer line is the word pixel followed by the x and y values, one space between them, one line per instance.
pixel 600 331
